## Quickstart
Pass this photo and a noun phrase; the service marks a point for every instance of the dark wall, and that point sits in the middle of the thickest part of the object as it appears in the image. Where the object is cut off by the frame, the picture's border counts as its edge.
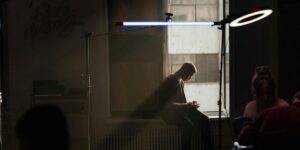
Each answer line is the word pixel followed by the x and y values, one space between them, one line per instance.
pixel 289 48
pixel 273 41
pixel 250 46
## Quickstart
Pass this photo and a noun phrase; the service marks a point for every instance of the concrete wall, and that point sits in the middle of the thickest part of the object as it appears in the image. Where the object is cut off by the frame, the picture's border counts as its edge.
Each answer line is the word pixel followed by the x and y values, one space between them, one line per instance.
pixel 45 41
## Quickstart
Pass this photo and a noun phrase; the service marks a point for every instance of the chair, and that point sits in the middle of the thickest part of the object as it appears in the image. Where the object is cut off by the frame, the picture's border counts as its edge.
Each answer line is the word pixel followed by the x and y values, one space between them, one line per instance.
pixel 239 123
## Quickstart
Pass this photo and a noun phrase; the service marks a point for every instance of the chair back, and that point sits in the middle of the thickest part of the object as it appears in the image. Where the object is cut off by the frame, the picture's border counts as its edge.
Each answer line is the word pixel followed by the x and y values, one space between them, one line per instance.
pixel 239 123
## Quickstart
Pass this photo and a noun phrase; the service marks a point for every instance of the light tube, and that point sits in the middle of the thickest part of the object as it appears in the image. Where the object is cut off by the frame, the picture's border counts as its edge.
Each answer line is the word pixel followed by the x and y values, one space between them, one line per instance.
pixel 235 23
pixel 158 23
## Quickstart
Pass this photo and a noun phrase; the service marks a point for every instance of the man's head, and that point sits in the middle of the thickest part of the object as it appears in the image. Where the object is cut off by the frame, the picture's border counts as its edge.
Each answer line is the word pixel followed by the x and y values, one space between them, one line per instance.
pixel 186 71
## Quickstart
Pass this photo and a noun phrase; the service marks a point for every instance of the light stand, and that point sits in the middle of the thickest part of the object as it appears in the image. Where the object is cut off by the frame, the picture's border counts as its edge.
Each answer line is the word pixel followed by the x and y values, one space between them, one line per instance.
pixel 88 88
pixel 222 55
pixel 222 27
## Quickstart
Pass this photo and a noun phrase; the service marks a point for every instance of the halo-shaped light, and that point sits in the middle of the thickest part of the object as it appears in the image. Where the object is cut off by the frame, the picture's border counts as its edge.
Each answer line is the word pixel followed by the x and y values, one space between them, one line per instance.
pixel 157 23
pixel 263 13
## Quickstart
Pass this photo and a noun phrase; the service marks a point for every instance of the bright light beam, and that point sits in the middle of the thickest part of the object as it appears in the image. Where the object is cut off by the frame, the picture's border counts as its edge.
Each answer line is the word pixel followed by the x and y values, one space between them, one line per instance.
pixel 155 23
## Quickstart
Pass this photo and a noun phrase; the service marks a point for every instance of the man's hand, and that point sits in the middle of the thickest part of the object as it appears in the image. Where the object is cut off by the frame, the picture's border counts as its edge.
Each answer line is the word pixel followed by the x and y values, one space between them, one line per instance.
pixel 193 104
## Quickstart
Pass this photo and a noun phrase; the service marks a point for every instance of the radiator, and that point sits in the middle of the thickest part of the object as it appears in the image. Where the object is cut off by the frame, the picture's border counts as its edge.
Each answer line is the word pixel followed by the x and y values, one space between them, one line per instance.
pixel 154 138
pixel 167 138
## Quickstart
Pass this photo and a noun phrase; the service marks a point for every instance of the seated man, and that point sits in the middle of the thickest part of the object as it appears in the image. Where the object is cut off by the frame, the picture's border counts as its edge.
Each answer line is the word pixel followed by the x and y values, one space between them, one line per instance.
pixel 272 120
pixel 177 111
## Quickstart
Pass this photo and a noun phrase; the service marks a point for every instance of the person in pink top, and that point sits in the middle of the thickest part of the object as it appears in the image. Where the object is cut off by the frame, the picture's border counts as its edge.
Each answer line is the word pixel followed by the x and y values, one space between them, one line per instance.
pixel 274 120
pixel 263 90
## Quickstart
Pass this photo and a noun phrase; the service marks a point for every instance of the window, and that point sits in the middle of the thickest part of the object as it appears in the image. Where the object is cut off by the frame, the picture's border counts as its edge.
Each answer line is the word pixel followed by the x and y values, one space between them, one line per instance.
pixel 200 45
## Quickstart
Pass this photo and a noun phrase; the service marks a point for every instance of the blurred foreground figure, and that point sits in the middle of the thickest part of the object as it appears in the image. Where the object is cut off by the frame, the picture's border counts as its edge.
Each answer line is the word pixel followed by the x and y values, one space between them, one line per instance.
pixel 43 128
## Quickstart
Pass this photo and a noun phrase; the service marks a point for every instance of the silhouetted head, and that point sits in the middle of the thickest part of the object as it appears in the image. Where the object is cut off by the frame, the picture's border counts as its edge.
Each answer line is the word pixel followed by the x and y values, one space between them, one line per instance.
pixel 186 71
pixel 43 128
pixel 264 92
pixel 296 97
pixel 261 71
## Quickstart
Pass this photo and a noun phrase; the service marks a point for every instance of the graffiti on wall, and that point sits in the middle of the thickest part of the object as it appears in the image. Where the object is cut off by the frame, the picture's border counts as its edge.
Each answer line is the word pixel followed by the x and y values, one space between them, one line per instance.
pixel 57 19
